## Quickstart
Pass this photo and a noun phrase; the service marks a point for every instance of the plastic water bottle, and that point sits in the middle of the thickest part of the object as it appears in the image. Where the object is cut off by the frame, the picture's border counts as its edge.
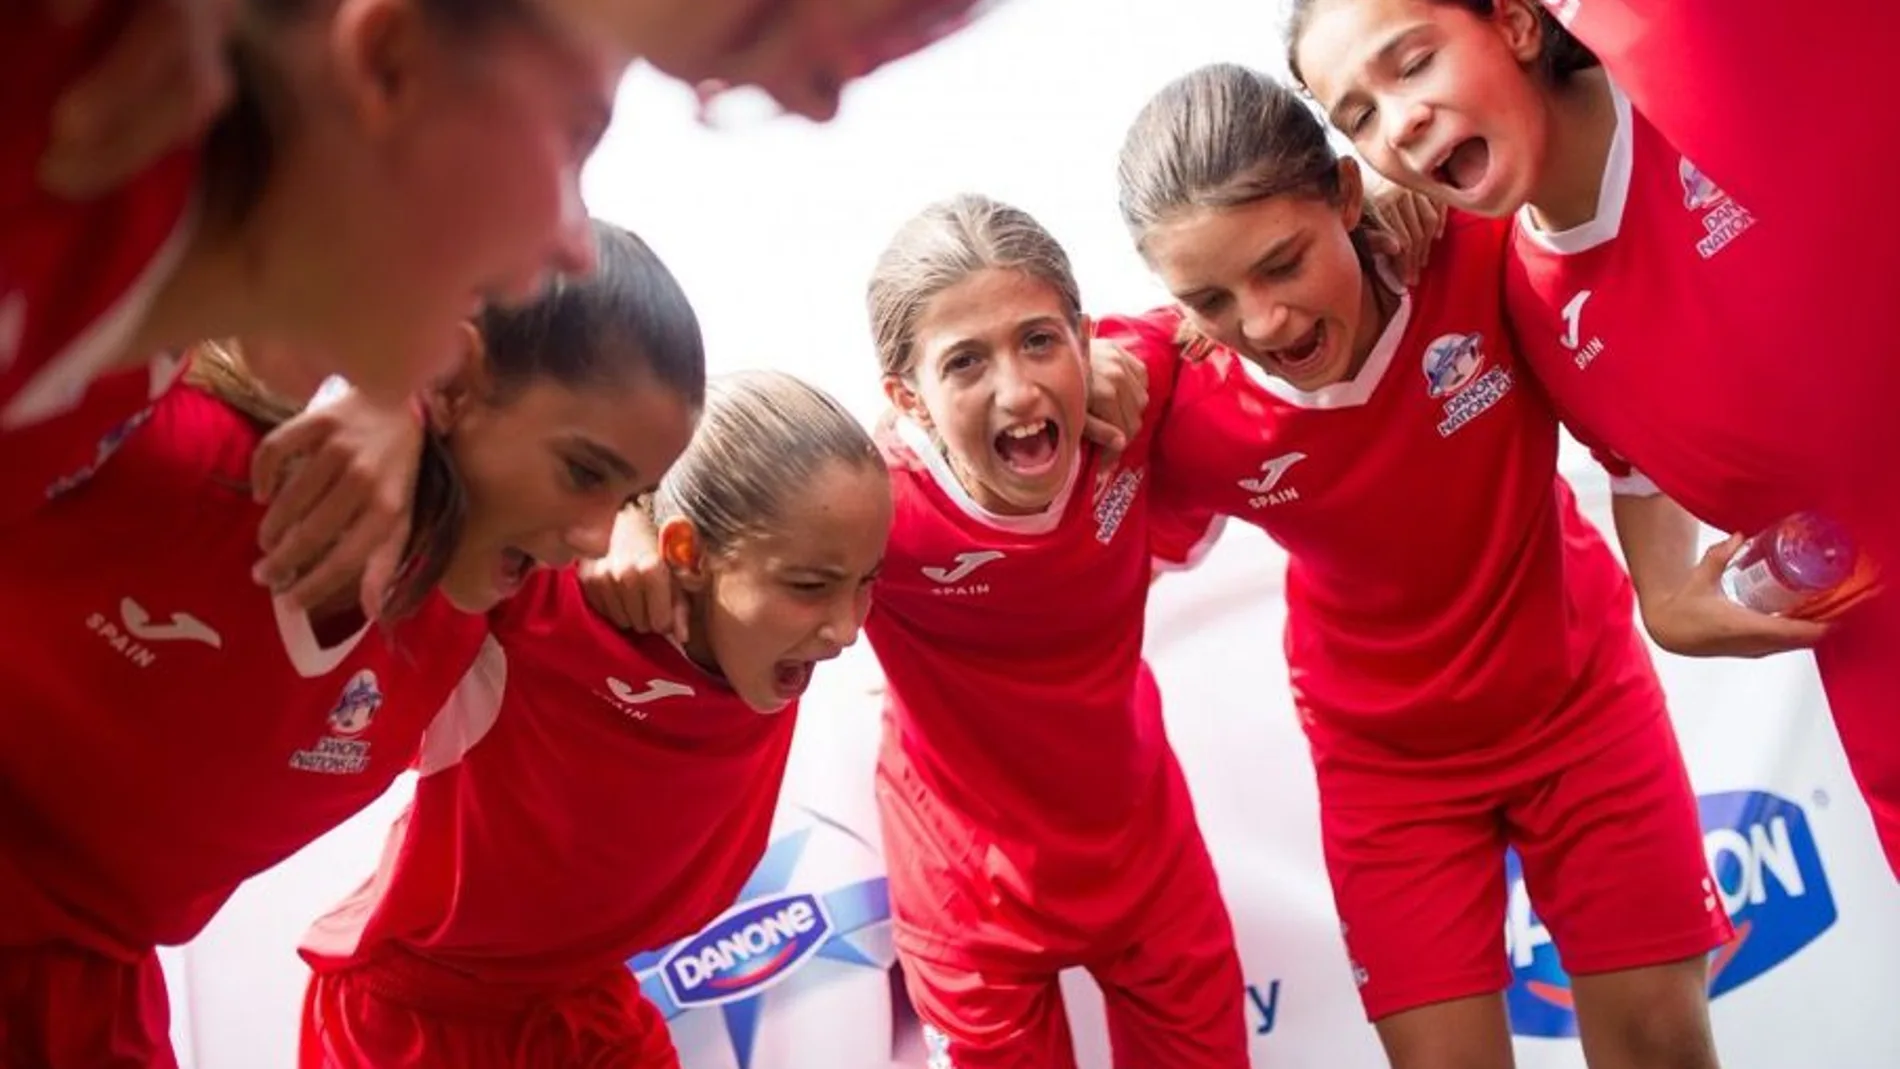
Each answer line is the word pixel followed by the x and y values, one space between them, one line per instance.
pixel 1793 568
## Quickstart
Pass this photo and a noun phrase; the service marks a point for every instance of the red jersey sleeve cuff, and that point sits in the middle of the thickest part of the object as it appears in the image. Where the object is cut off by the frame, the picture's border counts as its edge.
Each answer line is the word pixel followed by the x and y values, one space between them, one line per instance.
pixel 1169 561
pixel 1634 484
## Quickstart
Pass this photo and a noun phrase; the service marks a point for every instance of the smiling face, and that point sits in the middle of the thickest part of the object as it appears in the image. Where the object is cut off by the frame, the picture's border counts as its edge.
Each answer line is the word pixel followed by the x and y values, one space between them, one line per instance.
pixel 1000 375
pixel 1435 96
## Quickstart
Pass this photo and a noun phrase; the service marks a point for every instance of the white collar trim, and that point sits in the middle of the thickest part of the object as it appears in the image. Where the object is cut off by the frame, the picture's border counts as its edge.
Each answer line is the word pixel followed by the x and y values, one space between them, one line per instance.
pixel 1036 523
pixel 1357 390
pixel 309 657
pixel 1612 194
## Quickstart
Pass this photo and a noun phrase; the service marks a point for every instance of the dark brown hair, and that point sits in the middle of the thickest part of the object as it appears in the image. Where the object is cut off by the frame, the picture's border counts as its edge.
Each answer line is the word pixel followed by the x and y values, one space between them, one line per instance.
pixel 628 318
pixel 1221 137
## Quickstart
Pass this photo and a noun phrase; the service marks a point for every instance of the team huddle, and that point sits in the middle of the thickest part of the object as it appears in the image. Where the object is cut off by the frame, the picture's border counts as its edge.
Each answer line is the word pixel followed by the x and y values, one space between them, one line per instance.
pixel 418 454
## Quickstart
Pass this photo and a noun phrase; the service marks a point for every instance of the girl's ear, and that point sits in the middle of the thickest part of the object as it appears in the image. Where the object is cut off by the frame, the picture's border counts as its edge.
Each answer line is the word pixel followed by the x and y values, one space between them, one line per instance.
pixel 471 381
pixel 1352 193
pixel 682 553
pixel 1522 28
pixel 379 50
pixel 905 399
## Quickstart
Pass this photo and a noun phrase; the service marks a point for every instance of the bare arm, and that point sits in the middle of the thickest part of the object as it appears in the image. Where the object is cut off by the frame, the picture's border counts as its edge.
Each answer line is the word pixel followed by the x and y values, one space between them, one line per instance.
pixel 1658 538
pixel 1680 595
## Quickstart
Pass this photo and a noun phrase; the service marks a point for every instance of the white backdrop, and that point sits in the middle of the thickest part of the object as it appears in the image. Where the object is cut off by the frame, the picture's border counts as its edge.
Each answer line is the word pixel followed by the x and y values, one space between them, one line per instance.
pixel 772 229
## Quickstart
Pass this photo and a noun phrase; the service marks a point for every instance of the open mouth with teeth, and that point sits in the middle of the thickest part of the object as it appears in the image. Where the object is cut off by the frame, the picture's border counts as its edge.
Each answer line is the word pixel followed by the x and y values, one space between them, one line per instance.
pixel 1303 354
pixel 1464 166
pixel 1029 448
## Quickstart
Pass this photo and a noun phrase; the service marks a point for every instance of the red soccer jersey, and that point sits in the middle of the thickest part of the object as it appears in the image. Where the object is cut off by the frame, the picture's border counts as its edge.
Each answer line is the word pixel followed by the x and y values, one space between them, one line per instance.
pixel 1747 86
pixel 169 729
pixel 1758 94
pixel 1446 602
pixel 76 277
pixel 587 795
pixel 1742 364
pixel 1011 647
pixel 1641 324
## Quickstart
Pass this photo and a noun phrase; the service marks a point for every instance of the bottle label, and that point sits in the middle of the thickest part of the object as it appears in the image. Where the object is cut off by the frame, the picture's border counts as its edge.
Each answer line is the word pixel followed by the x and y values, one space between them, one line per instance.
pixel 1755 587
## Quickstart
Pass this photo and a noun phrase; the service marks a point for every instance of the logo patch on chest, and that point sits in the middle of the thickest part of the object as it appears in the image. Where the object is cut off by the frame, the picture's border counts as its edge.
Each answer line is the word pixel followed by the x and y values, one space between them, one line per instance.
pixel 136 634
pixel 623 697
pixel 340 752
pixel 1266 486
pixel 950 580
pixel 1113 505
pixel 1455 373
pixel 1723 219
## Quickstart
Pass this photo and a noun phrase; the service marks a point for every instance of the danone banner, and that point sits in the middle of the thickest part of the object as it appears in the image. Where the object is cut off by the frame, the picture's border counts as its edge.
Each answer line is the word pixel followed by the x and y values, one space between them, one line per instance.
pixel 1767 873
pixel 797 974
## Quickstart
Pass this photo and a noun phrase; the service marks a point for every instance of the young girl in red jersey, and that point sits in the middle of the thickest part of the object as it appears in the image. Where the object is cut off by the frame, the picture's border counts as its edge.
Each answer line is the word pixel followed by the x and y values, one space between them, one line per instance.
pixel 172 730
pixel 497 932
pixel 1034 817
pixel 1657 312
pixel 347 201
pixel 1461 641
pixel 1695 71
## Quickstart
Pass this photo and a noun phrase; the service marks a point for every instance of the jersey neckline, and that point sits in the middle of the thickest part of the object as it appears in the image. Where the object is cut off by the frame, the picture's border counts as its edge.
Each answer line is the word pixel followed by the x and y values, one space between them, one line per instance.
pixel 1035 523
pixel 1612 194
pixel 309 657
pixel 1359 389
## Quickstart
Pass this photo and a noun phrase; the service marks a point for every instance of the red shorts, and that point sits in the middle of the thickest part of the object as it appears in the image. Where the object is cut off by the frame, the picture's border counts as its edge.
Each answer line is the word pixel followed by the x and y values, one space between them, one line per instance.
pixel 981 960
pixel 1863 692
pixel 61 1006
pixel 396 1014
pixel 1612 853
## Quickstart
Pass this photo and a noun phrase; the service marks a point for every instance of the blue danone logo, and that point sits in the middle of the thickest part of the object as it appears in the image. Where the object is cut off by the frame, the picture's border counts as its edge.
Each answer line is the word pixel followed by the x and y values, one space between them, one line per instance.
pixel 746 951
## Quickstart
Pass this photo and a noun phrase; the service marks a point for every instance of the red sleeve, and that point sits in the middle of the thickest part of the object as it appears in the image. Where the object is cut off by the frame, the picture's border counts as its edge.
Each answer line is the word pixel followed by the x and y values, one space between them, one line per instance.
pixel 1610 462
pixel 1179 532
pixel 1625 480
pixel 1151 339
pixel 1158 337
pixel 75 276
pixel 1179 536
